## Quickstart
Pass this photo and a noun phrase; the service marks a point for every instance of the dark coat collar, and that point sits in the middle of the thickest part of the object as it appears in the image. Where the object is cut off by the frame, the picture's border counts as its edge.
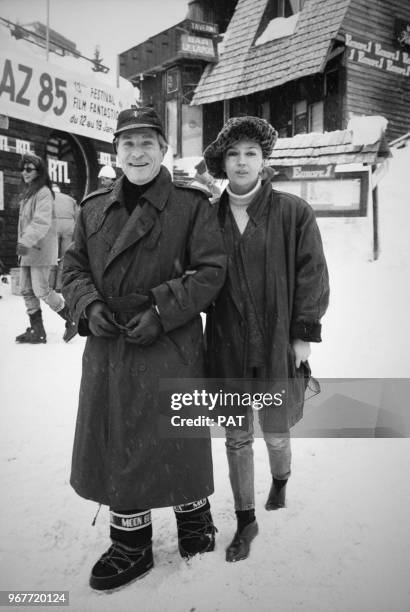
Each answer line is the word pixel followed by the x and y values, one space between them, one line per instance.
pixel 156 195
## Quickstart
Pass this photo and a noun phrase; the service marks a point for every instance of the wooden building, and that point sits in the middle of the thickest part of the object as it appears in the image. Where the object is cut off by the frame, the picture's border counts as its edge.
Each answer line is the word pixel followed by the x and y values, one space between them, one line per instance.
pixel 168 66
pixel 309 65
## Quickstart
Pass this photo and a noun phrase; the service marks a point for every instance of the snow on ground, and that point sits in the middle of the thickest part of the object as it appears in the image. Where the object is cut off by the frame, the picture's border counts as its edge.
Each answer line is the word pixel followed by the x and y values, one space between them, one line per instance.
pixel 342 543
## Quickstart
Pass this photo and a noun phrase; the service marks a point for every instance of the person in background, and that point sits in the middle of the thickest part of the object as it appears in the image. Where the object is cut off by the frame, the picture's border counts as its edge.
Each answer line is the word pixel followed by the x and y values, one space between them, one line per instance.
pixel 268 311
pixel 66 212
pixel 147 258
pixel 106 177
pixel 37 250
pixel 203 178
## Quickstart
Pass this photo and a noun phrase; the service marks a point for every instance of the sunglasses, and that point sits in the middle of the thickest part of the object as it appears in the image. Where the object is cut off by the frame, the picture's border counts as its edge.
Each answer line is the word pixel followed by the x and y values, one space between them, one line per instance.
pixel 28 169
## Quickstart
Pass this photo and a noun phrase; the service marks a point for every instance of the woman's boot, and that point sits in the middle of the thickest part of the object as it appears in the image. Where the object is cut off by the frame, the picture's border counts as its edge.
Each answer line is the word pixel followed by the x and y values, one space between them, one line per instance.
pixel 277 495
pixel 247 530
pixel 70 326
pixel 35 334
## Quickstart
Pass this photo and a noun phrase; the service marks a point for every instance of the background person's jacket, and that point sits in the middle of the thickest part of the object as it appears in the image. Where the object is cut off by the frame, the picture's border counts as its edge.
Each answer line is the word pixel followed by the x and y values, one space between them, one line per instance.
pixel 37 229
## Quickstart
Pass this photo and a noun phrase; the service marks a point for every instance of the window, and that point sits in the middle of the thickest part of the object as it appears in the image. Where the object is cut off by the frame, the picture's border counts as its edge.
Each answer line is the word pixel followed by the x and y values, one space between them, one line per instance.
pixel 172 124
pixel 264 110
pixel 283 8
pixel 300 117
pixel 332 82
pixel 191 130
pixel 307 117
pixel 316 123
pixel 279 20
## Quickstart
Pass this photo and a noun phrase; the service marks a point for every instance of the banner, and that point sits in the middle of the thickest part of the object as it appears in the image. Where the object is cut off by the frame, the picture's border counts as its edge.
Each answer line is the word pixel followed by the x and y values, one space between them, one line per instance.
pixel 47 94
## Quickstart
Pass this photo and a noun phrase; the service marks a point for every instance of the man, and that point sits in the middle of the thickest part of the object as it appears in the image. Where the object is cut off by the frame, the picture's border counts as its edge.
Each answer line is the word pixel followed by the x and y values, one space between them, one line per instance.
pixel 147 257
pixel 66 211
pixel 106 177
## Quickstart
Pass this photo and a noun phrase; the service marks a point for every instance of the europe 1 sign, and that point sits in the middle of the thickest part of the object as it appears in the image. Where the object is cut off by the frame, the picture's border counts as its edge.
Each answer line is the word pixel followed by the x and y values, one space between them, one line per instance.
pixel 43 93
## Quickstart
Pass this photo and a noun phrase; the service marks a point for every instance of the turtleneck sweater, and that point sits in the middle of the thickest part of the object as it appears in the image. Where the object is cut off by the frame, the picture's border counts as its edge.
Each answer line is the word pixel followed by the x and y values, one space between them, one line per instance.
pixel 132 193
pixel 239 203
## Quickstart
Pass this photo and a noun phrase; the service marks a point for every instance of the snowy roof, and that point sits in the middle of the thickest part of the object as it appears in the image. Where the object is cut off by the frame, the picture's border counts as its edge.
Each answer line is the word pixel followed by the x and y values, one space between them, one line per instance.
pixel 336 147
pixel 247 66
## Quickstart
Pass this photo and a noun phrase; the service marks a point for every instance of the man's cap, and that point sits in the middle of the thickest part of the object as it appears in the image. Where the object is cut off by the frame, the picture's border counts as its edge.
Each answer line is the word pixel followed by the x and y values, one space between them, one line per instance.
pixel 107 172
pixel 236 128
pixel 136 118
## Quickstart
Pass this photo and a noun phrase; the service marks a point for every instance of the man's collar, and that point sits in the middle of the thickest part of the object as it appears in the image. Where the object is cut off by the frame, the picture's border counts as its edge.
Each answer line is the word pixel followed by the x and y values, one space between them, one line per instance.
pixel 156 195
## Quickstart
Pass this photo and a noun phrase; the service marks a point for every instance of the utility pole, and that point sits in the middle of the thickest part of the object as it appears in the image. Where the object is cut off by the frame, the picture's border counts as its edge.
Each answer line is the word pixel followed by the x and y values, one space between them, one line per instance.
pixel 48 30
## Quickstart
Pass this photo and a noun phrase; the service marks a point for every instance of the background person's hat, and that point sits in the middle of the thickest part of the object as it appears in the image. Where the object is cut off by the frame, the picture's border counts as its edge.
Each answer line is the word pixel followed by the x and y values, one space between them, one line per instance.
pixel 31 158
pixel 135 118
pixel 253 128
pixel 107 172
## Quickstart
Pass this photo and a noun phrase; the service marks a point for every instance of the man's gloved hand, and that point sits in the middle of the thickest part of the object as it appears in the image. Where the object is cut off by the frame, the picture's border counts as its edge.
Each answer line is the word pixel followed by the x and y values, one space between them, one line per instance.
pixel 21 249
pixel 100 320
pixel 144 328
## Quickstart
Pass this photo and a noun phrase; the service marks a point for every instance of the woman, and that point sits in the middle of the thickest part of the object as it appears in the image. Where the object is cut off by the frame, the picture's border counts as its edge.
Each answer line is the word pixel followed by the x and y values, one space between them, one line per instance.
pixel 269 310
pixel 37 250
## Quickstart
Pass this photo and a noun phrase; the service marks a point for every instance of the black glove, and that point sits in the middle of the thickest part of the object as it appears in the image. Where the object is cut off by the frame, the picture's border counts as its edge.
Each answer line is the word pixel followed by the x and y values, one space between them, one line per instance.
pixel 100 320
pixel 144 328
pixel 21 249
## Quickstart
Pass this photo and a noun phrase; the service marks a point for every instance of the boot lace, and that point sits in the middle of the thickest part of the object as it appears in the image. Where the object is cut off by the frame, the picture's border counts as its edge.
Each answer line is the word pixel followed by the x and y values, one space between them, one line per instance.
pixel 199 526
pixel 120 559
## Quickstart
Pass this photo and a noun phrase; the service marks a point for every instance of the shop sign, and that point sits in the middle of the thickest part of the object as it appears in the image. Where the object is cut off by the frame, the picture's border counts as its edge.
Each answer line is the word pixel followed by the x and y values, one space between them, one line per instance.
pixel 200 26
pixel 376 55
pixel 328 192
pixel 315 172
pixel 197 45
pixel 15 145
pixel 58 171
pixel 172 80
pixel 106 159
pixel 37 91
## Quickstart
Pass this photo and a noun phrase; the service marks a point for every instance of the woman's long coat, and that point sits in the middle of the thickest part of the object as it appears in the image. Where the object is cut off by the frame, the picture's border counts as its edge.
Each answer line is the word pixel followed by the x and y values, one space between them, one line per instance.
pixel 284 251
pixel 37 229
pixel 120 457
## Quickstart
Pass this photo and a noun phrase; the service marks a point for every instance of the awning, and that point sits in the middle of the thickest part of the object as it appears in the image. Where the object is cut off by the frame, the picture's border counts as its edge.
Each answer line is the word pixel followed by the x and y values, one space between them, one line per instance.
pixel 329 148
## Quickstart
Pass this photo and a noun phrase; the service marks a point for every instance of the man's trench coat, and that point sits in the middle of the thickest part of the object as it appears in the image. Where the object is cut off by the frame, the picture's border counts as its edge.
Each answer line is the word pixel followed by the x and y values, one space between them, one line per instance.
pixel 118 457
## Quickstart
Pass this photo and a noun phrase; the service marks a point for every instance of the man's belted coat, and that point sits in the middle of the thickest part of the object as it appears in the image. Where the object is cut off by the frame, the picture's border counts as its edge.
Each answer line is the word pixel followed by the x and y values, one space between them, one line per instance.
pixel 171 247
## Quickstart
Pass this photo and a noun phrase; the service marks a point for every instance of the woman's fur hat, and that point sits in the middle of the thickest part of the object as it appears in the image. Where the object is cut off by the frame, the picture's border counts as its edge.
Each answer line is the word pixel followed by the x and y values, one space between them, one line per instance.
pixel 253 128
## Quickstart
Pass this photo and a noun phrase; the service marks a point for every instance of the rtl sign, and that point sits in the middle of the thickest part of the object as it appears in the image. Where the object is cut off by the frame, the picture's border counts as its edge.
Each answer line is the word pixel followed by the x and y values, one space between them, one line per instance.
pixel 58 171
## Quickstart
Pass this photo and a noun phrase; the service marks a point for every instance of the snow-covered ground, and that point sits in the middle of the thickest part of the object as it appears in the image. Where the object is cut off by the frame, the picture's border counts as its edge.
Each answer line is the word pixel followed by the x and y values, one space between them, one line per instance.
pixel 342 544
